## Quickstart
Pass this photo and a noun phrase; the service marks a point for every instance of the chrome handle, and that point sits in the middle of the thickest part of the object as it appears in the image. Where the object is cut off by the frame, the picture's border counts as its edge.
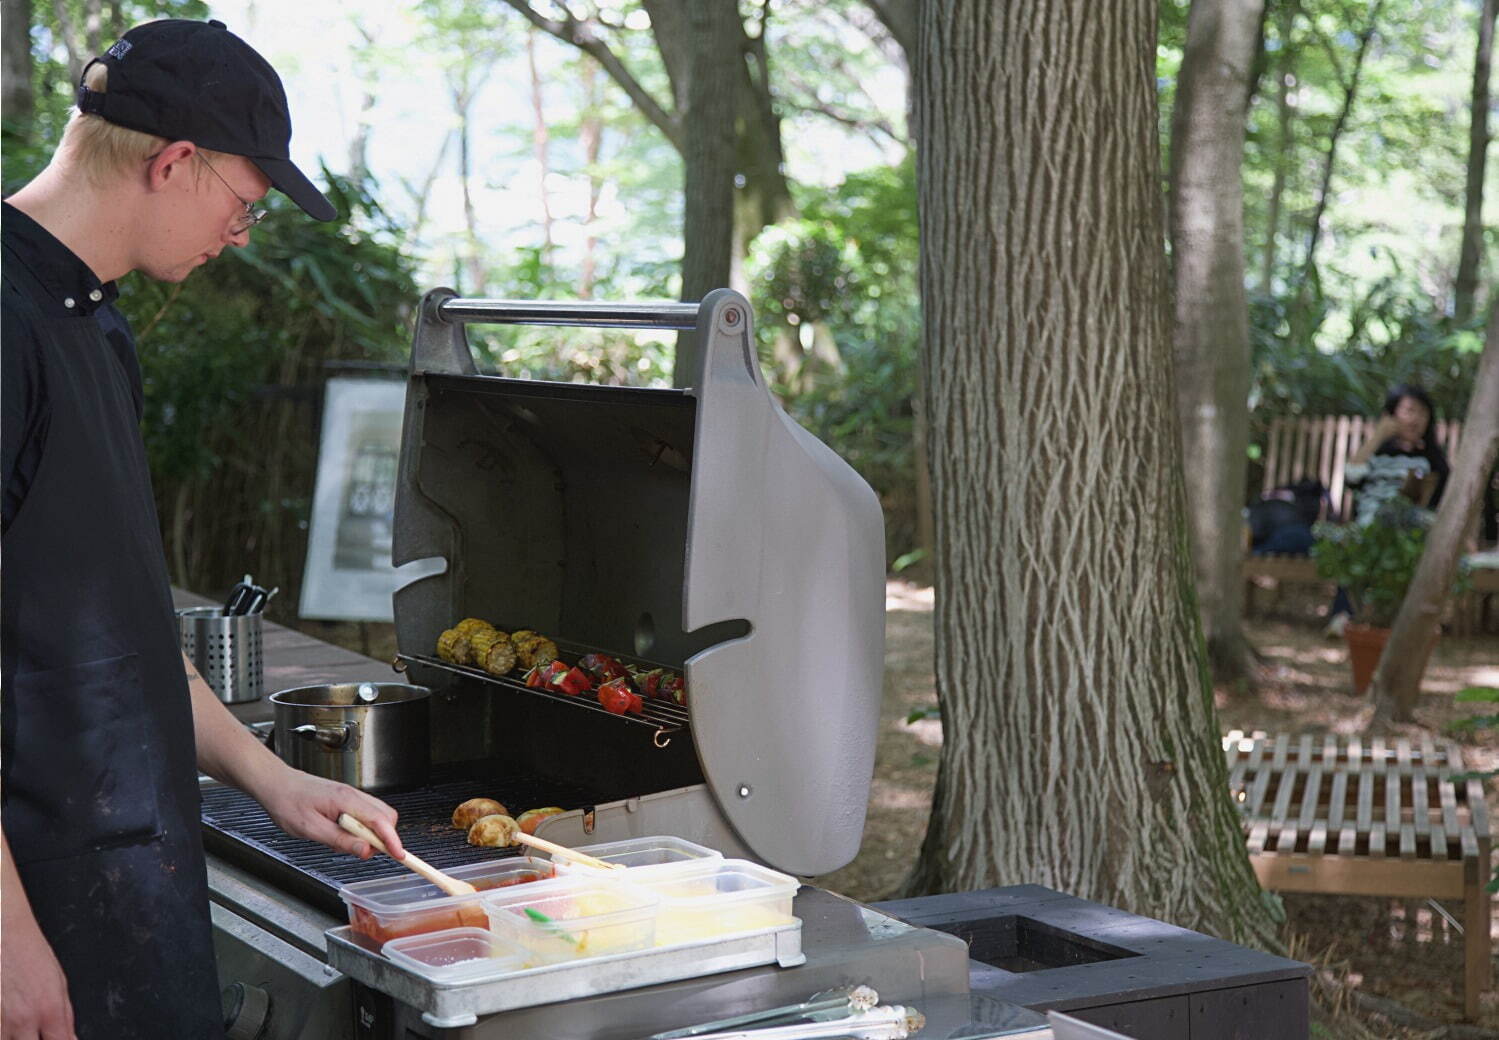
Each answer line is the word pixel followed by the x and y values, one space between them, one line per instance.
pixel 663 315
pixel 338 737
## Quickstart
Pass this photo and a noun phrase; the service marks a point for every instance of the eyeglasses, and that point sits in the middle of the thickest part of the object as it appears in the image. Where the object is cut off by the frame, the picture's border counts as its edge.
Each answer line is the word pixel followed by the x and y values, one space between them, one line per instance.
pixel 251 216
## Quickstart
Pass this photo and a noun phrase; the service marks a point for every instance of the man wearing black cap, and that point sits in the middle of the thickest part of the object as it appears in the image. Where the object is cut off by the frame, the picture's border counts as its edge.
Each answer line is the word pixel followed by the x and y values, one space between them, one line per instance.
pixel 181 129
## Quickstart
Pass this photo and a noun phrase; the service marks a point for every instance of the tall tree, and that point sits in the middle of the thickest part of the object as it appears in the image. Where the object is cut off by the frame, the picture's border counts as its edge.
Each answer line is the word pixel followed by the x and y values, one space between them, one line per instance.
pixel 708 160
pixel 1478 149
pixel 1349 81
pixel 1080 740
pixel 716 71
pixel 1397 680
pixel 17 96
pixel 1285 19
pixel 1212 311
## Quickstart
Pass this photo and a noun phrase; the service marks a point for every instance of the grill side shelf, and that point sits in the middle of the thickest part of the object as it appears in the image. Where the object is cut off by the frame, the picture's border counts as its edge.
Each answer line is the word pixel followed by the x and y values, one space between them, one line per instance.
pixel 665 718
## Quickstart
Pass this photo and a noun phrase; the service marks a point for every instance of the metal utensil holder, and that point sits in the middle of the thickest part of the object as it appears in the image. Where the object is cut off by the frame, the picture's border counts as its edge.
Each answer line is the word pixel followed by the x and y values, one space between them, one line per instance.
pixel 225 650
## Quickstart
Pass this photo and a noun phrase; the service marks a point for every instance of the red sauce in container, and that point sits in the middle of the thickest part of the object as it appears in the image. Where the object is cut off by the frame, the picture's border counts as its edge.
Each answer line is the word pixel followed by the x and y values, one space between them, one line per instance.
pixel 465 915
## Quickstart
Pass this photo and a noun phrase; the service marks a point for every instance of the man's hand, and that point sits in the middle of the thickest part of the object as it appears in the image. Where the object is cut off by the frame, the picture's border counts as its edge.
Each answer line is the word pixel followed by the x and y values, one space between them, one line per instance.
pixel 308 807
pixel 300 803
pixel 34 1002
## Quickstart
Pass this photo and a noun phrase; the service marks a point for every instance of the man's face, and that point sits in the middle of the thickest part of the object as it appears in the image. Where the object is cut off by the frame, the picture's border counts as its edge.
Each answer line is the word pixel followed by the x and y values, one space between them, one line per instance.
pixel 202 214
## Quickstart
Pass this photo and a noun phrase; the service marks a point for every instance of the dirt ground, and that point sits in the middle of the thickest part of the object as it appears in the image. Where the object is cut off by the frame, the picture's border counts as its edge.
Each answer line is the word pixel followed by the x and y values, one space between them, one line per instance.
pixel 1401 950
pixel 1398 950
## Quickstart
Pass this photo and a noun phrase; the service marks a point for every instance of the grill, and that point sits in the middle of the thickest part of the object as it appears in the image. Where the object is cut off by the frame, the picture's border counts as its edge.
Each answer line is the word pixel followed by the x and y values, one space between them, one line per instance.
pixel 238 829
pixel 699 530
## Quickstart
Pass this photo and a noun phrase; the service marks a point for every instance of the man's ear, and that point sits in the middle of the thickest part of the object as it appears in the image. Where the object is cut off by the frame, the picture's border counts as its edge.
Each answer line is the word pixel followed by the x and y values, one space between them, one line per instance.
pixel 169 165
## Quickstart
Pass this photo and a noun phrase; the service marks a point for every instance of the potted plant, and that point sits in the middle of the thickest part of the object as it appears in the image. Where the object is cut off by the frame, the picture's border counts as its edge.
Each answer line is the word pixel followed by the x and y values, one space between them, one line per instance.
pixel 1374 562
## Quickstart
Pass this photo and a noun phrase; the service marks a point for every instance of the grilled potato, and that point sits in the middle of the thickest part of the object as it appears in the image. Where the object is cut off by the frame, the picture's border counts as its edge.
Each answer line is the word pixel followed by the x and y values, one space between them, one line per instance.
pixel 495 831
pixel 475 809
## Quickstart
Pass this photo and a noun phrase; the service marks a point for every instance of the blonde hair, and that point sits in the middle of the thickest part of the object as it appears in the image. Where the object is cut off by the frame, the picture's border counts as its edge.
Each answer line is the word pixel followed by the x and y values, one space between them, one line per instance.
pixel 103 150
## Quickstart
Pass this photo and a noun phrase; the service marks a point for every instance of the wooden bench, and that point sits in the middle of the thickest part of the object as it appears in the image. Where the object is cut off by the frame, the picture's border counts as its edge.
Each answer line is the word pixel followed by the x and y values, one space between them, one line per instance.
pixel 1317 447
pixel 1344 816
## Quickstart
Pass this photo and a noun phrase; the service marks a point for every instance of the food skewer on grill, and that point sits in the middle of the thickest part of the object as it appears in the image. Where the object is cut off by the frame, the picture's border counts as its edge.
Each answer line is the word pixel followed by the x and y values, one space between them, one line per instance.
pixel 451 885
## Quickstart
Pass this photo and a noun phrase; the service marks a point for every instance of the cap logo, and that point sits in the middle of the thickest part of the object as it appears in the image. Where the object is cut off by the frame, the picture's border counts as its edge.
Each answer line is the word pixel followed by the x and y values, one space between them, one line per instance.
pixel 120 49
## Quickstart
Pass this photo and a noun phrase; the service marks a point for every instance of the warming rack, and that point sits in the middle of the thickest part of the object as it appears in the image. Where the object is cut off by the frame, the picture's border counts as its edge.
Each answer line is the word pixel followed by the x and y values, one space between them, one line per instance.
pixel 666 718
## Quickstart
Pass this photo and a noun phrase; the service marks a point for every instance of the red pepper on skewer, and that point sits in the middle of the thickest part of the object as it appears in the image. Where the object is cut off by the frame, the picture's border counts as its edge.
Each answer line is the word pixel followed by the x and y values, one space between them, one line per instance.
pixel 616 696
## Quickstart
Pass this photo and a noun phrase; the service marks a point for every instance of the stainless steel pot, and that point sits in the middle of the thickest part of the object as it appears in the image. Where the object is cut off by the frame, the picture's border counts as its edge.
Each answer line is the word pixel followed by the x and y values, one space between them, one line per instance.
pixel 373 736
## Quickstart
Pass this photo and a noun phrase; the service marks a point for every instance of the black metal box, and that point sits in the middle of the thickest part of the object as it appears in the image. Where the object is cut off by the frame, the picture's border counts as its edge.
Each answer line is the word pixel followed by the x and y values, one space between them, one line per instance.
pixel 1046 950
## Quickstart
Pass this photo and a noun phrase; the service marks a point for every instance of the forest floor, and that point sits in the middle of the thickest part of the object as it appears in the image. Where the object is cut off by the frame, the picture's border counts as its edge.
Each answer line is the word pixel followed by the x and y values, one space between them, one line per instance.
pixel 1398 950
pixel 1395 950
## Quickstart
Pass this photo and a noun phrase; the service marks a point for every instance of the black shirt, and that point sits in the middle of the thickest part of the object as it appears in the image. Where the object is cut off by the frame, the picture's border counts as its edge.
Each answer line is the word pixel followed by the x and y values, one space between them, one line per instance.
pixel 62 286
pixel 98 782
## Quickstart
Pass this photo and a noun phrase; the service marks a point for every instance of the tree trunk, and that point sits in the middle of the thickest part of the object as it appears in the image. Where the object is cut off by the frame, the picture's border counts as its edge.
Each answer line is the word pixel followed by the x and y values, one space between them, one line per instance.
pixel 540 139
pixel 1212 312
pixel 1478 147
pixel 708 161
pixel 1081 746
pixel 591 132
pixel 1284 110
pixel 1397 681
pixel 17 95
pixel 1309 276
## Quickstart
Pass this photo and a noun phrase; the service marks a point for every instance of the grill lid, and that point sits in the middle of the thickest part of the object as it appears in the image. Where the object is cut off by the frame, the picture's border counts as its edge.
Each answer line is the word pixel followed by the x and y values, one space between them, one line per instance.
pixel 701 528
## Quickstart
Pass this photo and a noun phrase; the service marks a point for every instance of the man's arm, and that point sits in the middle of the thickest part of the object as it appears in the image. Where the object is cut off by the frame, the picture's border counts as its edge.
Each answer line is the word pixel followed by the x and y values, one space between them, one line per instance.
pixel 33 989
pixel 300 803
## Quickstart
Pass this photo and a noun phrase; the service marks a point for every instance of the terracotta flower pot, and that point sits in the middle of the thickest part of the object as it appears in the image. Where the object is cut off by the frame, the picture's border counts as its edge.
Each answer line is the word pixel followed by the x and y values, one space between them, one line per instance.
pixel 1365 644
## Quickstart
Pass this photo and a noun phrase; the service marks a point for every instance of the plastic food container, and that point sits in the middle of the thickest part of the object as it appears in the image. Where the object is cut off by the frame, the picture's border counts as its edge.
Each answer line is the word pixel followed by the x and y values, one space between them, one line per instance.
pixel 388 908
pixel 455 955
pixel 650 857
pixel 574 917
pixel 719 899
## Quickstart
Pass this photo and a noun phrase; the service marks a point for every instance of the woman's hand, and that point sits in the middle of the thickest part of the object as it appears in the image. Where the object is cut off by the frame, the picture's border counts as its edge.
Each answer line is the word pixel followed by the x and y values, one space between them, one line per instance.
pixel 308 806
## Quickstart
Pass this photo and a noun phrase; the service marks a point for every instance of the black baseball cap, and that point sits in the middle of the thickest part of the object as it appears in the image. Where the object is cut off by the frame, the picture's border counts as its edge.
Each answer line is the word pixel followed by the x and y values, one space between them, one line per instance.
pixel 196 81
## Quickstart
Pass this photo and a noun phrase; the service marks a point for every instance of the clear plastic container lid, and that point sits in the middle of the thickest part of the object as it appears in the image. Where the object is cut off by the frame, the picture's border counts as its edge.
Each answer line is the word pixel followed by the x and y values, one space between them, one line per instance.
pixel 725 883
pixel 456 955
pixel 650 856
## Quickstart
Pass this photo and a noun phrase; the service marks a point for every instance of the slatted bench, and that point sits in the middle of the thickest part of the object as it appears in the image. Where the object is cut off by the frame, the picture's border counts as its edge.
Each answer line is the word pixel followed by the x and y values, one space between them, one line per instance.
pixel 1318 447
pixel 1345 816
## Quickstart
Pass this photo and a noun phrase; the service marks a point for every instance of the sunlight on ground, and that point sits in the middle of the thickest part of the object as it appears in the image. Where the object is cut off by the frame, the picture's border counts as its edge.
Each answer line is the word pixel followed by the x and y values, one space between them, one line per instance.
pixel 902 595
pixel 928 731
pixel 886 795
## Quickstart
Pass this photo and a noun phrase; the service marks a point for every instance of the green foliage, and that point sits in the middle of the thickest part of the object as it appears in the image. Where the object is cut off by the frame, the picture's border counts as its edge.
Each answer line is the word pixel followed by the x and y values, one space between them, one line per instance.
pixel 850 264
pixel 302 292
pixel 1376 561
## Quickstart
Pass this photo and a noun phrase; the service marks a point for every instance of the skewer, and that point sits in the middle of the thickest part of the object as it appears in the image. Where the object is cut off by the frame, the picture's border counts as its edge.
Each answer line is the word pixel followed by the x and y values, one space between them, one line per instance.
pixel 521 837
pixel 451 885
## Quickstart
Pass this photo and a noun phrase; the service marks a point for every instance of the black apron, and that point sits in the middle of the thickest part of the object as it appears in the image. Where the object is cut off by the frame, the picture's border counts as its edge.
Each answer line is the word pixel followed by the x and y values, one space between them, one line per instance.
pixel 100 783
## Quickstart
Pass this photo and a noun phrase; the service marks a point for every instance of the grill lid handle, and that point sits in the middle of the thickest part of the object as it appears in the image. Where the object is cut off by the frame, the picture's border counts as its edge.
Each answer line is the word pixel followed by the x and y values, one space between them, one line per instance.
pixel 590 314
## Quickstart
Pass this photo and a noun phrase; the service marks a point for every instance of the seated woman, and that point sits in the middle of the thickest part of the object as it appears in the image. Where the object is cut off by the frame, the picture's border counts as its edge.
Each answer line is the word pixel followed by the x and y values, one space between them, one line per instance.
pixel 1401 457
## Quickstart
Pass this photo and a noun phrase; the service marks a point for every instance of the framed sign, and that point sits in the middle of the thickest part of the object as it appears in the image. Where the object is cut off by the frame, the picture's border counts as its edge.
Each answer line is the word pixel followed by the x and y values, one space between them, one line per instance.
pixel 349 575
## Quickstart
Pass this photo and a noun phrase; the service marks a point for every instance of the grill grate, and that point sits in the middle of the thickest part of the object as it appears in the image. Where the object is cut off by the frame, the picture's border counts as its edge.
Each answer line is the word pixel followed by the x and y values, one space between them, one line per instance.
pixel 665 717
pixel 238 829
